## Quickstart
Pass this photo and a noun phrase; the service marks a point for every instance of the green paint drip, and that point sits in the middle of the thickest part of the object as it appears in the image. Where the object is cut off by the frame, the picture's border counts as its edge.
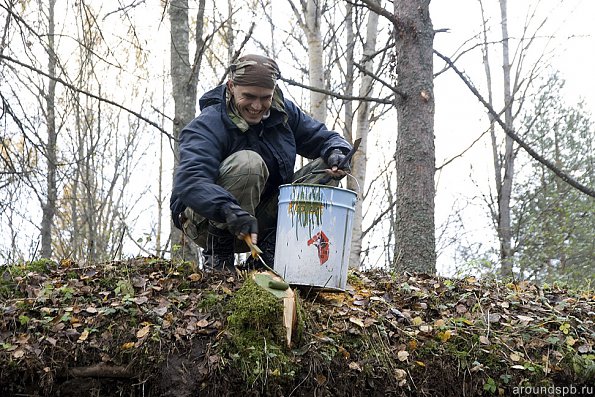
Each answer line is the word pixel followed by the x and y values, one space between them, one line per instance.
pixel 306 206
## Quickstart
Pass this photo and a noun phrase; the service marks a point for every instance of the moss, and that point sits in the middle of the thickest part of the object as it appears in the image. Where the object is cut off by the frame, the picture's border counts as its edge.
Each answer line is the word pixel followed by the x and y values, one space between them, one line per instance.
pixel 185 268
pixel 256 343
pixel 584 367
pixel 7 286
pixel 255 311
pixel 42 265
pixel 300 331
pixel 209 299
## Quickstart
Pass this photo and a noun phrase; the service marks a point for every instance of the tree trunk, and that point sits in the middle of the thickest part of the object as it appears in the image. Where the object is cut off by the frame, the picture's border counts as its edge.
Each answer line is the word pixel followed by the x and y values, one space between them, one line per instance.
pixel 354 257
pixel 49 206
pixel 349 75
pixel 184 77
pixel 315 57
pixel 415 154
pixel 505 190
pixel 360 159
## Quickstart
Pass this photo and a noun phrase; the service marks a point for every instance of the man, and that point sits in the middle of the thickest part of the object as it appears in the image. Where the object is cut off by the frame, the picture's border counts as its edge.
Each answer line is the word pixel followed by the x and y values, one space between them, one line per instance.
pixel 236 154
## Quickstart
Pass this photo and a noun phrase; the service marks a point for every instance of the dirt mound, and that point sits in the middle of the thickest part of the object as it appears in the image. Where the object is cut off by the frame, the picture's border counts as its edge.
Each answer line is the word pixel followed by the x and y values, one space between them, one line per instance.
pixel 151 327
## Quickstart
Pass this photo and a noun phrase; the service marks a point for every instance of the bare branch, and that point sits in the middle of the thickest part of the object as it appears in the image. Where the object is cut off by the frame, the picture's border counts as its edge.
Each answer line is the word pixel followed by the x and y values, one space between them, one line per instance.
pixel 89 94
pixel 336 95
pixel 511 133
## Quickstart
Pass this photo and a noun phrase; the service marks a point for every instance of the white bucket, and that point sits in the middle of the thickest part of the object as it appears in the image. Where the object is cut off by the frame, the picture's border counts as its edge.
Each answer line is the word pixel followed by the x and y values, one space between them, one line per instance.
pixel 314 229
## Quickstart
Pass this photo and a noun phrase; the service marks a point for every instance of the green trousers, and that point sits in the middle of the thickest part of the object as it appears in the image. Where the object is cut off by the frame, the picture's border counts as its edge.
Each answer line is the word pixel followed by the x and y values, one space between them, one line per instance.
pixel 244 175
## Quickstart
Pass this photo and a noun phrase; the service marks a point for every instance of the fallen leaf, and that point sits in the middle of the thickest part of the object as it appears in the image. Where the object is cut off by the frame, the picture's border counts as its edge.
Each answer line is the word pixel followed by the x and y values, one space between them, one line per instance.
pixel 160 311
pixel 83 337
pixel 18 353
pixel 477 366
pixel 484 340
pixel 400 374
pixel 403 355
pixel 357 321
pixel 141 333
pixel 202 323
pixel 140 300
pixel 355 366
pixel 346 355
pixel 320 379
pixel 494 317
pixel 584 349
pixel 91 310
pixel 515 357
pixel 525 319
pixel 195 277
pixel 23 339
pixel 517 366
pixel 214 359
pixel 127 345
pixel 445 335
pixel 417 321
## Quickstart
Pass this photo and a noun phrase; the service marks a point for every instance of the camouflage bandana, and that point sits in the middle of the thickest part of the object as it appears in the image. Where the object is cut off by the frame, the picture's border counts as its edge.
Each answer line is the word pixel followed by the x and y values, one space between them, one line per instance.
pixel 255 70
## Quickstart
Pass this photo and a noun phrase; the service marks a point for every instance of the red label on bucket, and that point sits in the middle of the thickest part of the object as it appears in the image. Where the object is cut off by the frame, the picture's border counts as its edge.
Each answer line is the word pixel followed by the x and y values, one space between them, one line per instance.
pixel 321 242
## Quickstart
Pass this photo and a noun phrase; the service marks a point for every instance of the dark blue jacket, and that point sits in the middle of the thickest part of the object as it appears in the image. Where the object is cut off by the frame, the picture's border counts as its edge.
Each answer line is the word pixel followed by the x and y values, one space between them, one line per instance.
pixel 212 137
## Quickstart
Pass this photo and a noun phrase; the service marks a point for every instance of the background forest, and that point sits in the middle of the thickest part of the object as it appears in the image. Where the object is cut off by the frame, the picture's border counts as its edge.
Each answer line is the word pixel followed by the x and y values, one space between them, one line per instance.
pixel 93 95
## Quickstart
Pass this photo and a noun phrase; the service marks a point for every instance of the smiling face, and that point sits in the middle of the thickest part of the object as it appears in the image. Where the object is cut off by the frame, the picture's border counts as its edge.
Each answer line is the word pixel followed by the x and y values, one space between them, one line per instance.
pixel 251 102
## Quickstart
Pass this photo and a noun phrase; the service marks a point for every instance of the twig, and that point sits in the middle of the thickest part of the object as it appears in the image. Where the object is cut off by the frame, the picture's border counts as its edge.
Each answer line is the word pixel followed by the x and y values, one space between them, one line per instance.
pixel 89 94
pixel 511 133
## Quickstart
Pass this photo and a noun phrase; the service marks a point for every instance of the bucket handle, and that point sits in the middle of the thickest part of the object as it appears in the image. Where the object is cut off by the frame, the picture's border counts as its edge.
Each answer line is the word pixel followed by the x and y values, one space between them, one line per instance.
pixel 357 192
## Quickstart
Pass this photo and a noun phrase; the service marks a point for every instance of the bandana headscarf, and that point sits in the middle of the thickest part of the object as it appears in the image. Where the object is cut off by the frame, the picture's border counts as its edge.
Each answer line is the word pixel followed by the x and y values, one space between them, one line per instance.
pixel 255 70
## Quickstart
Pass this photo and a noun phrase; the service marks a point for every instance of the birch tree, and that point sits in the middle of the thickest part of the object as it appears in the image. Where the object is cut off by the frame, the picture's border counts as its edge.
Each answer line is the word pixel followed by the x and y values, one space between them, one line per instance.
pixel 506 165
pixel 49 205
pixel 360 43
pixel 309 19
pixel 184 78
pixel 513 93
pixel 360 160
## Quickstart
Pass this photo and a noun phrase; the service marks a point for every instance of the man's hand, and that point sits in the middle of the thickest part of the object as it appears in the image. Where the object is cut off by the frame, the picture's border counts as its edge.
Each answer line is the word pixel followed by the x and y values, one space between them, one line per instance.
pixel 334 162
pixel 240 223
pixel 179 220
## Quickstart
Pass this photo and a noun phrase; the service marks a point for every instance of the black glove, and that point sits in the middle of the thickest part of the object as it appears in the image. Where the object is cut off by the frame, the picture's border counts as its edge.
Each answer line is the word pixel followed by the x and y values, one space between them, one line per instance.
pixel 178 219
pixel 240 222
pixel 335 159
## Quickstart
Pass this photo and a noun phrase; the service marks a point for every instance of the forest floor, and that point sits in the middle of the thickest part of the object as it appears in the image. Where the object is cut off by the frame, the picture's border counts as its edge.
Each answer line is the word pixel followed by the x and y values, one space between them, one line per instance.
pixel 151 327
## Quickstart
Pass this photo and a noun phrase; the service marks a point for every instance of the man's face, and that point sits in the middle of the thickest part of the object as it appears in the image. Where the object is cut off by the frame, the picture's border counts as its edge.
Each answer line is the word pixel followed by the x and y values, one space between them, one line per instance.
pixel 252 102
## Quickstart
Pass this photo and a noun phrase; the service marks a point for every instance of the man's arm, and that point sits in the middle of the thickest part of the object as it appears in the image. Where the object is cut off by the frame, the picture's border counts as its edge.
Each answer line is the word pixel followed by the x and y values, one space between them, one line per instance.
pixel 313 138
pixel 201 153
